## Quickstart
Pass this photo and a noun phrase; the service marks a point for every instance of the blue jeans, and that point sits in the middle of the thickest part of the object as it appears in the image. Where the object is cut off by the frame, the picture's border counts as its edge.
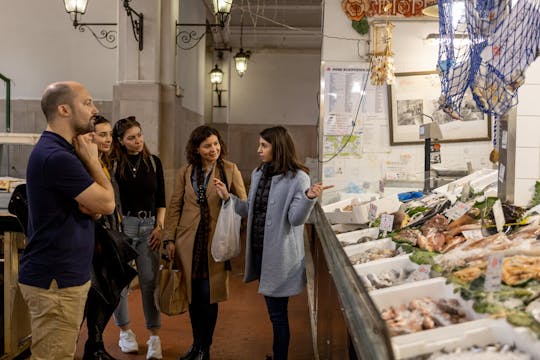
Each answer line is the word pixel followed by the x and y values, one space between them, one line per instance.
pixel 277 309
pixel 147 267
pixel 279 316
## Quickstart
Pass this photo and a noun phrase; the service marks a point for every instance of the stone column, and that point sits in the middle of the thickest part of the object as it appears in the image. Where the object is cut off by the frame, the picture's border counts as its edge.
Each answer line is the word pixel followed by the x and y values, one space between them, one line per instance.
pixel 146 79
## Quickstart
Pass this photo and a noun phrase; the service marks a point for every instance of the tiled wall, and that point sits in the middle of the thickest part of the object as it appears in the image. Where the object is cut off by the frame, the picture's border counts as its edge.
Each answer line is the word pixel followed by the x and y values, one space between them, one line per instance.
pixel 527 165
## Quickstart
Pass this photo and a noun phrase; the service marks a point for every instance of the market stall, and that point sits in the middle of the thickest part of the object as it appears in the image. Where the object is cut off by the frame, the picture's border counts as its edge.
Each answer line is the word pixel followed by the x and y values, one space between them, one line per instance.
pixel 454 271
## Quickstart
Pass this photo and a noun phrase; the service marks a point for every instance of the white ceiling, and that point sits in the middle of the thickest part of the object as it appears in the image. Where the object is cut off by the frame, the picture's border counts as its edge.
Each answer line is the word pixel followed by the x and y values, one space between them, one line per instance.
pixel 273 24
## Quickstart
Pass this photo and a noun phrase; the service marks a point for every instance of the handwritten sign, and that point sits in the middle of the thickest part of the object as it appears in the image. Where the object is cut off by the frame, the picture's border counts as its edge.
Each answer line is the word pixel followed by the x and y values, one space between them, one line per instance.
pixel 457 210
pixel 422 273
pixel 465 190
pixel 499 215
pixel 493 273
pixel 387 222
pixel 372 212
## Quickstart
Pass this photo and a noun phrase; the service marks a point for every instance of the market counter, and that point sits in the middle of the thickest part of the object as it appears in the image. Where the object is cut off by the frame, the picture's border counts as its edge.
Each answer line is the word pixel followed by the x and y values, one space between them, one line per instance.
pixel 347 325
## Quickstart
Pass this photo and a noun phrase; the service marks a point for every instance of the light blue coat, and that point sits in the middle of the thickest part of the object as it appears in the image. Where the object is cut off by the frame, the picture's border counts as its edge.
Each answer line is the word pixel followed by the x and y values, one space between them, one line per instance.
pixel 283 271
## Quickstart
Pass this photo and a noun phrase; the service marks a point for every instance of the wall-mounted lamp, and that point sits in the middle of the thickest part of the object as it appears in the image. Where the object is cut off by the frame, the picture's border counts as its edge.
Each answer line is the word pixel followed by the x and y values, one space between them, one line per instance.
pixel 216 78
pixel 241 57
pixel 106 38
pixel 188 39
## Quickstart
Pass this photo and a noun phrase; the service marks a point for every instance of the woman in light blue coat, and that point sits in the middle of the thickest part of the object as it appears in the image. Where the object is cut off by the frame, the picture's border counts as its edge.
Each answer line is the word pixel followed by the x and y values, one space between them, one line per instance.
pixel 279 202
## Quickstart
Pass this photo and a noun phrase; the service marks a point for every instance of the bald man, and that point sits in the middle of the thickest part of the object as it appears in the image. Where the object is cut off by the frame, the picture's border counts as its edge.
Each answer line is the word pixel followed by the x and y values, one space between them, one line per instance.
pixel 66 188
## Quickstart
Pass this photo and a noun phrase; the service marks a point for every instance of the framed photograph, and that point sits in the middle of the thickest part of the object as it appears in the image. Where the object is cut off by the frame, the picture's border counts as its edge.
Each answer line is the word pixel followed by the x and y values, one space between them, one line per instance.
pixel 413 100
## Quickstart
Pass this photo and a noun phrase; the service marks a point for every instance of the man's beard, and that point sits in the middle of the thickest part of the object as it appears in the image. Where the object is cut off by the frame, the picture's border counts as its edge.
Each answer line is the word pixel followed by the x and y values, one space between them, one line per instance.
pixel 84 129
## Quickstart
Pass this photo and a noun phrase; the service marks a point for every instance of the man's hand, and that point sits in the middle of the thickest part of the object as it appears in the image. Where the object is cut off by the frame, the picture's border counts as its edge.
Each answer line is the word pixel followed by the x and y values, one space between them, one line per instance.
pixel 85 148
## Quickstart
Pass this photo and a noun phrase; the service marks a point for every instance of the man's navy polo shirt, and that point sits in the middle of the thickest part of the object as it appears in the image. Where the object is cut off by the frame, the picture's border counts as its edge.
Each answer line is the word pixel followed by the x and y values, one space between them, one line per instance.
pixel 60 237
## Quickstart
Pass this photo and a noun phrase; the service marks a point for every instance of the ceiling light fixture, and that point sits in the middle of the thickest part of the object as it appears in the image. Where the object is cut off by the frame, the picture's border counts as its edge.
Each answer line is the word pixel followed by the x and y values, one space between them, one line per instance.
pixel 241 57
pixel 216 78
pixel 106 38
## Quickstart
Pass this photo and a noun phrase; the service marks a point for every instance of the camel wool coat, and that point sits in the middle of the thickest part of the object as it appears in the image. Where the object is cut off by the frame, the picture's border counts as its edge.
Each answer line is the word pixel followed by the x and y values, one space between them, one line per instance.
pixel 182 221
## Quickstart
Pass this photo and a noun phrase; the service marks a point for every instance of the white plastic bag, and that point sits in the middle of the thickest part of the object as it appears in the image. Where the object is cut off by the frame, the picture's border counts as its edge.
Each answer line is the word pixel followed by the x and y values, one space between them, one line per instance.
pixel 226 241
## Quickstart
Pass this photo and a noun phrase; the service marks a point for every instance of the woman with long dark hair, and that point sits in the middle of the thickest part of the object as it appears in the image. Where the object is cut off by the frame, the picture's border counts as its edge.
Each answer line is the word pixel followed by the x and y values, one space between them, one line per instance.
pixel 110 268
pixel 279 202
pixel 189 227
pixel 142 193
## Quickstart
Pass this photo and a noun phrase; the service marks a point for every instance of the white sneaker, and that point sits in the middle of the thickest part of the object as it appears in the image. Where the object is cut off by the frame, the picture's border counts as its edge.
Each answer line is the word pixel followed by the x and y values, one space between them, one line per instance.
pixel 154 348
pixel 128 342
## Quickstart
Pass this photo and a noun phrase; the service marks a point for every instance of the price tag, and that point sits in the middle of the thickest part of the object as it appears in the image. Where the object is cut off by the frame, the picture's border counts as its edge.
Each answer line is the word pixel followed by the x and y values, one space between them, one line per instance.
pixel 422 273
pixel 457 210
pixel 387 222
pixel 465 190
pixel 473 234
pixel 493 273
pixel 504 139
pixel 372 213
pixel 501 172
pixel 499 215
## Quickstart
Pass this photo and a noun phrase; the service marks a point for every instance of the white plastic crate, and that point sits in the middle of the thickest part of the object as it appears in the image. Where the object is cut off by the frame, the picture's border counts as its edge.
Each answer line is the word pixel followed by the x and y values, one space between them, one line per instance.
pixel 385 243
pixel 353 236
pixel 360 210
pixel 464 335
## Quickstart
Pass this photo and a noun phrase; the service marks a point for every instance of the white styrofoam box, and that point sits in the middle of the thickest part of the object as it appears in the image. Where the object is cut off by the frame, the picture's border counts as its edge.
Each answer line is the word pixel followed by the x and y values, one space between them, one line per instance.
pixel 336 215
pixel 353 236
pixel 345 228
pixel 385 243
pixel 464 335
pixel 527 130
pixel 527 163
pixel 435 288
pixel 478 180
pixel 360 210
pixel 379 266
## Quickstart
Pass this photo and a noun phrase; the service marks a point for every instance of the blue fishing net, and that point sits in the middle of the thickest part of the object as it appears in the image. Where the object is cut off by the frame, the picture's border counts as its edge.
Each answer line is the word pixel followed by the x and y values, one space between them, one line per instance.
pixel 486 46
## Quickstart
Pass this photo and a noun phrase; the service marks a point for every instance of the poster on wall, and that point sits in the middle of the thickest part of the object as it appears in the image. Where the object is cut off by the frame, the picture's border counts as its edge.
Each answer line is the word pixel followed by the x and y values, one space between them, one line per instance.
pixel 349 99
pixel 414 101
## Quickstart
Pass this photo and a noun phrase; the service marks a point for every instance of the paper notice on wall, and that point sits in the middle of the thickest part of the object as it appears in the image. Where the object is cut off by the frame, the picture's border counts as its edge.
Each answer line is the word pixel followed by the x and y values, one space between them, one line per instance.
pixel 375 136
pixel 342 146
pixel 349 98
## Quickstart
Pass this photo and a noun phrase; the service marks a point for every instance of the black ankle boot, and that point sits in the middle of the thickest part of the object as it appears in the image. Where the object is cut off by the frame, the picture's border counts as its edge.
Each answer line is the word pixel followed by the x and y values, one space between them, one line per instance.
pixel 192 353
pixel 204 354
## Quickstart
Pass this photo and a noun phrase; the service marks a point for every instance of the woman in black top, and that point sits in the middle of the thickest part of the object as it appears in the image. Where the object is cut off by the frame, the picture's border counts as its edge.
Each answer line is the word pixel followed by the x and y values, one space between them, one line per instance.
pixel 110 268
pixel 142 194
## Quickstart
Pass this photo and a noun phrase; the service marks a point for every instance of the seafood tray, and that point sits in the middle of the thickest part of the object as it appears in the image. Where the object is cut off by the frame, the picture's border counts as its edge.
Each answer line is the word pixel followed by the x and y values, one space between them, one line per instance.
pixel 370 250
pixel 339 213
pixel 388 272
pixel 385 243
pixel 358 237
pixel 436 288
pixel 398 302
pixel 461 336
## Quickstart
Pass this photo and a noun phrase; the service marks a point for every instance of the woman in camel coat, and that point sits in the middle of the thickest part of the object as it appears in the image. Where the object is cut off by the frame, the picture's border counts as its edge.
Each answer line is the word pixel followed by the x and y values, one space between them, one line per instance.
pixel 190 222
